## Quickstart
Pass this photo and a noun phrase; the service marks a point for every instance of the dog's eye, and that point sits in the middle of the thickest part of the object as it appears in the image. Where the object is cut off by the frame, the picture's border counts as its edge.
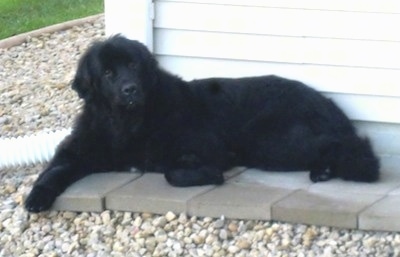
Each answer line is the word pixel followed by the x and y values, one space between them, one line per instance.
pixel 108 73
pixel 132 66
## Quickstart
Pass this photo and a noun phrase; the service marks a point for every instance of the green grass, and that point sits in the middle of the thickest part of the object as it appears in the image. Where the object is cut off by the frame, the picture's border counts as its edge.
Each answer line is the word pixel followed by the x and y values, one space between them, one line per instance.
pixel 18 16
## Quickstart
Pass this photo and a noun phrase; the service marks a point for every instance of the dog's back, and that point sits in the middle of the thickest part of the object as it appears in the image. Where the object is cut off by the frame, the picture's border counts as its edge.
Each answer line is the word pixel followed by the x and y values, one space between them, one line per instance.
pixel 279 124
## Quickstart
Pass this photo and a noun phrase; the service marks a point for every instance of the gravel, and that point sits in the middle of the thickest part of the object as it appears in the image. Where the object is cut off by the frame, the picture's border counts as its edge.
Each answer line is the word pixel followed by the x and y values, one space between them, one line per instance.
pixel 35 95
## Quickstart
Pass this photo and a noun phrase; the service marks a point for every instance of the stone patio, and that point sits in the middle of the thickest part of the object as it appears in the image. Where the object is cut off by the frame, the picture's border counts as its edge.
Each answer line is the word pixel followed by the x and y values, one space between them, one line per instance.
pixel 249 194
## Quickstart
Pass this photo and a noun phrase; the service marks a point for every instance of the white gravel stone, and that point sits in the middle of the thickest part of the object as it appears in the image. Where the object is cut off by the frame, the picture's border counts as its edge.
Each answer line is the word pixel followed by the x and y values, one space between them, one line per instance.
pixel 170 216
pixel 219 223
pixel 161 236
pixel 223 235
pixel 160 221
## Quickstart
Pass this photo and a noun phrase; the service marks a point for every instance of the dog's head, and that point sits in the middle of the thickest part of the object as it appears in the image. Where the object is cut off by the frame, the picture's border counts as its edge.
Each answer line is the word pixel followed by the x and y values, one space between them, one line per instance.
pixel 116 72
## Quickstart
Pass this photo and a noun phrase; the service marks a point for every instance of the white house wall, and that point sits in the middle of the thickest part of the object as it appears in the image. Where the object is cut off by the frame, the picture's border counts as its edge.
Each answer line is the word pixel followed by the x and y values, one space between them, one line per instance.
pixel 131 18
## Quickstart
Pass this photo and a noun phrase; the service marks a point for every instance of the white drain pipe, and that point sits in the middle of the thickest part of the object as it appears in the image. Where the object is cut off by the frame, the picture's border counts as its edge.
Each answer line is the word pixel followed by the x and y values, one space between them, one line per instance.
pixel 38 148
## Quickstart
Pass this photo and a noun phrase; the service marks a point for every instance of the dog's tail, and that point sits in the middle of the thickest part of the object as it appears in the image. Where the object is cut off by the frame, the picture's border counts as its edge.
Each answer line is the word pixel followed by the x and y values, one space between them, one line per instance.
pixel 355 160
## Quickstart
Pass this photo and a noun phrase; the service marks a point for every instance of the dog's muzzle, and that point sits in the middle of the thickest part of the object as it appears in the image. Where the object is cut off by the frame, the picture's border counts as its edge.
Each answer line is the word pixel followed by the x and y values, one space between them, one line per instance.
pixel 129 89
pixel 131 95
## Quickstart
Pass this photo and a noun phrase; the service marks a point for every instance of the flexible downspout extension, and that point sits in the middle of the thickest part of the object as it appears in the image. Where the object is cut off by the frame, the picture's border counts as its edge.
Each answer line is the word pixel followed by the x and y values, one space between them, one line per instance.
pixel 38 148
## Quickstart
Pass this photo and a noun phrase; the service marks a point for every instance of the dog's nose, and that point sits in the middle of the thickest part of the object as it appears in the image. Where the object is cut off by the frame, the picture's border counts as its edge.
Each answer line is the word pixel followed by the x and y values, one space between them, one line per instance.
pixel 128 89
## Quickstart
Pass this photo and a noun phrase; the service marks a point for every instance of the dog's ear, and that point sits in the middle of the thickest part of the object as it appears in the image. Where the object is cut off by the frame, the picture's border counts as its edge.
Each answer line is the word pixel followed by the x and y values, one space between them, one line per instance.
pixel 148 59
pixel 82 82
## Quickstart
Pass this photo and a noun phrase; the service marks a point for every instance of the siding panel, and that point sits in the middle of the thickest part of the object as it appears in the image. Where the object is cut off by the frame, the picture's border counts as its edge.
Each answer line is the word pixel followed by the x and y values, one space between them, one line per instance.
pixel 277 21
pixel 278 49
pixel 368 108
pixel 351 80
pixel 382 6
pixel 385 137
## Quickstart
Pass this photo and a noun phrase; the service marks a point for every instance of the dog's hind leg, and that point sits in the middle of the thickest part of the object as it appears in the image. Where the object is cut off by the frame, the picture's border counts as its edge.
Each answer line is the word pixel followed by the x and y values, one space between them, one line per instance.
pixel 191 171
pixel 320 168
pixel 356 161
pixel 347 157
pixel 191 158
pixel 194 177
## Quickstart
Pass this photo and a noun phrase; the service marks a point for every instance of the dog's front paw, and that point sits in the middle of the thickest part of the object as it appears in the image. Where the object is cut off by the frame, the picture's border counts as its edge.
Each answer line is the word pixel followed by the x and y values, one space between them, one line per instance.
pixel 40 199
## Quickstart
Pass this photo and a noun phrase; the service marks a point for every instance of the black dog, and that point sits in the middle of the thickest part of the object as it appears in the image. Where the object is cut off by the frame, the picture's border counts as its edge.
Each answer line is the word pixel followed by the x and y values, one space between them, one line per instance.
pixel 136 114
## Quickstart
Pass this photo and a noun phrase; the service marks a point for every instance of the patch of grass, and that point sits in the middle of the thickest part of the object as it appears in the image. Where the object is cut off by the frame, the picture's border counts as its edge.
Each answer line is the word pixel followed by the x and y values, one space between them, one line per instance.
pixel 18 16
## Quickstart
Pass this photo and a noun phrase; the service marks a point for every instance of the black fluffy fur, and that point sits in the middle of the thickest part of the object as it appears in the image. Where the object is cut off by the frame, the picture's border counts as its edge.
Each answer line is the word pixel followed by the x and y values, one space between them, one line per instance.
pixel 136 114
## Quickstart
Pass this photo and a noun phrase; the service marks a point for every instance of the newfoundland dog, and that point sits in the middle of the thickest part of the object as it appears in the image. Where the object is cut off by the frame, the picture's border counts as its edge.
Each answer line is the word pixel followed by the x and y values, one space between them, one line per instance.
pixel 136 114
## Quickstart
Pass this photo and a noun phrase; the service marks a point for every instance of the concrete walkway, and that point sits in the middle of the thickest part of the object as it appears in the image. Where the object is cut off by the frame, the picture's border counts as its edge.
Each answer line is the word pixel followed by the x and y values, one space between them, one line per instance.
pixel 249 194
